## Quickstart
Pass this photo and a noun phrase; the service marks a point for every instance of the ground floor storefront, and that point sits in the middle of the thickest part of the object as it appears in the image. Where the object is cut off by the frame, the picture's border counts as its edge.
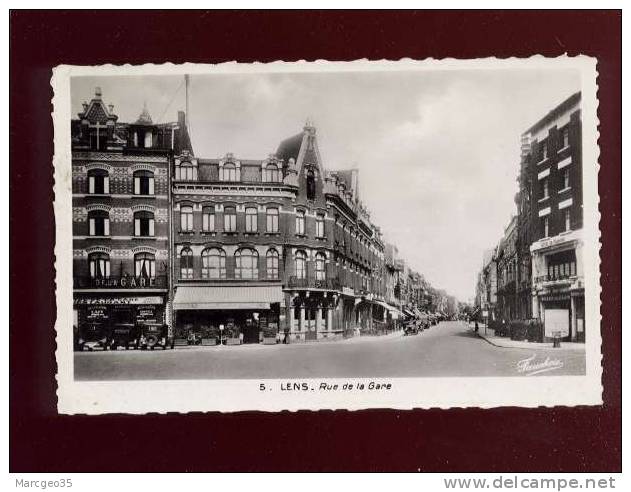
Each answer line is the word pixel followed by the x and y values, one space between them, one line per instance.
pixel 562 311
pixel 97 314
pixel 227 314
pixel 111 309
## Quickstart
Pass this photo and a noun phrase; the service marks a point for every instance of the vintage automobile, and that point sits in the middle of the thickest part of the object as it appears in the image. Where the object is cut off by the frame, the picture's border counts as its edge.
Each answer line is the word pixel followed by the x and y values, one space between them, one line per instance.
pixel 154 335
pixel 92 335
pixel 124 335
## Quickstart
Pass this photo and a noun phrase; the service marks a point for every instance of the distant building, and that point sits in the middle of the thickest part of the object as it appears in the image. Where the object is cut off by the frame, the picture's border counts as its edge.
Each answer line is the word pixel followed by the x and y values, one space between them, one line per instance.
pixel 507 273
pixel 555 168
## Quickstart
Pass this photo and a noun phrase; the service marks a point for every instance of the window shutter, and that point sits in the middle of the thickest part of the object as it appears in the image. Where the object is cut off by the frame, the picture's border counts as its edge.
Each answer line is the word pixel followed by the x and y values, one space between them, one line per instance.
pixel 106 185
pixel 151 186
pixel 137 227
pixel 151 227
pixel 91 227
pixel 92 268
pixel 106 226
pixel 136 186
pixel 310 269
pixel 107 268
pixel 91 184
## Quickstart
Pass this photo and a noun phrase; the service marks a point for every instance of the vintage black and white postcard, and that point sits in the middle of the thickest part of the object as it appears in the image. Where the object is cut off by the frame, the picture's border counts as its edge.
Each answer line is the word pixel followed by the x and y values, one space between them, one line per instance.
pixel 286 236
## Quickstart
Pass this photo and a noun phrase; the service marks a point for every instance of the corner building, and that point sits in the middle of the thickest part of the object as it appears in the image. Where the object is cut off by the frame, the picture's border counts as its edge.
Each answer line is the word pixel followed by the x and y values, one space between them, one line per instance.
pixel 556 174
pixel 274 248
pixel 120 215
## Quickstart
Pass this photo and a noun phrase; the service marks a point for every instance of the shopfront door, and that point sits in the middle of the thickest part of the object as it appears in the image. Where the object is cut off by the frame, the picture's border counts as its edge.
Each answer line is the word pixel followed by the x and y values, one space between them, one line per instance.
pixel 251 331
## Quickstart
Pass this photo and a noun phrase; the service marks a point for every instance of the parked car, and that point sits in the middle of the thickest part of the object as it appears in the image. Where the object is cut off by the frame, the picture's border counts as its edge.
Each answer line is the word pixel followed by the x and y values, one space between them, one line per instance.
pixel 92 335
pixel 157 335
pixel 124 335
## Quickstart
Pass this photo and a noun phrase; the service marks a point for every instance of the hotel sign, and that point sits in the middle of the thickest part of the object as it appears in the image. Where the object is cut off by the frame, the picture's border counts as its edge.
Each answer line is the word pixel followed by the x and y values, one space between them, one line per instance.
pixel 120 282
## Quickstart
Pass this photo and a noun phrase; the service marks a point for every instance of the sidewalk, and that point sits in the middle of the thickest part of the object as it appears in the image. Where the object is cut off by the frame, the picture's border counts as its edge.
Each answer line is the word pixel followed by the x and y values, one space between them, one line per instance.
pixel 505 342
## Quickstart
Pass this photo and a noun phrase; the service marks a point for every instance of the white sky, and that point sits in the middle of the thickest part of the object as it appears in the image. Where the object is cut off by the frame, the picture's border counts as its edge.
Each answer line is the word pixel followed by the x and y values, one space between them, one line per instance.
pixel 438 152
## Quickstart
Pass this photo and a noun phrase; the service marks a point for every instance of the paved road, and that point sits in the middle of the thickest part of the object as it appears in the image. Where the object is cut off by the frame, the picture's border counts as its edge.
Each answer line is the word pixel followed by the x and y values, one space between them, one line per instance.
pixel 448 349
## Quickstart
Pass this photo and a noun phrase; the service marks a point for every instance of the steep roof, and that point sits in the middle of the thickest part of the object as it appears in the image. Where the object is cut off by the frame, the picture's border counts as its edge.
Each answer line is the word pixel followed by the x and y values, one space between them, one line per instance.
pixel 290 147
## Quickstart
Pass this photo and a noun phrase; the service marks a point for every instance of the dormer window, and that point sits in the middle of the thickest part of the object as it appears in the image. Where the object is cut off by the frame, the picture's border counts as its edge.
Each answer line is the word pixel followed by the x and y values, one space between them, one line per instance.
pixel 148 140
pixel 185 171
pixel 311 185
pixel 271 174
pixel 229 172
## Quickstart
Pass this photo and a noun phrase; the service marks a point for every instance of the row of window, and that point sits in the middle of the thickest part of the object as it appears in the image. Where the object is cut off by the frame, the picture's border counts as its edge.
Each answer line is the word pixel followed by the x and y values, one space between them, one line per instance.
pixel 246 264
pixel 545 183
pixel 228 172
pixel 251 220
pixel 564 141
pixel 99 223
pixel 144 265
pixel 99 182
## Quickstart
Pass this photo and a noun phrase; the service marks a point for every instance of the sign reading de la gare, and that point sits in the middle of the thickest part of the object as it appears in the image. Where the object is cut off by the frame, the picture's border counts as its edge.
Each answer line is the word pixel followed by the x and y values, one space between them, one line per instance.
pixel 124 282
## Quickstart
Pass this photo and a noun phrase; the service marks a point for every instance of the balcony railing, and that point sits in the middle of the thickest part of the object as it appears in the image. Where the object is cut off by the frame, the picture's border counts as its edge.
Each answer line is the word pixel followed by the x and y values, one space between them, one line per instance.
pixel 313 283
pixel 120 282
pixel 553 278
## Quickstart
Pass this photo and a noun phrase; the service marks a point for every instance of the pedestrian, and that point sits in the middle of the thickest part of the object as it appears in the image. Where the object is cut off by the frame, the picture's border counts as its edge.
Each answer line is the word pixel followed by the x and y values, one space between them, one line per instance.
pixel 476 326
pixel 286 338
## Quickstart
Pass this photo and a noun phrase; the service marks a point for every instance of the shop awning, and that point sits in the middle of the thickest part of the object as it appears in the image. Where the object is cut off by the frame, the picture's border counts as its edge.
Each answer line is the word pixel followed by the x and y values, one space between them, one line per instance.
pixel 256 297
pixel 417 313
pixel 408 312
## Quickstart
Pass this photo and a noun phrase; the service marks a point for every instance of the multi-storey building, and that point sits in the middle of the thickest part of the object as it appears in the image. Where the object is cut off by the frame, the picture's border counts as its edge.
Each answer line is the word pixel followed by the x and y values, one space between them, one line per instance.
pixel 524 202
pixel 507 266
pixel 120 200
pixel 274 245
pixel 555 169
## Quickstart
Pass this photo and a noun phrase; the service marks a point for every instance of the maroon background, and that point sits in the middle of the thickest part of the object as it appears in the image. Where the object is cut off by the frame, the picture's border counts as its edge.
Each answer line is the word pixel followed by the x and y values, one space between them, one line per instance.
pixel 508 439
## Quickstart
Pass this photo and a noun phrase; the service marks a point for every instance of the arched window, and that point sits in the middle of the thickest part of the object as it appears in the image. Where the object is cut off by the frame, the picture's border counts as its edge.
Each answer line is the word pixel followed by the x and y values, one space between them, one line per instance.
pixel 185 172
pixel 272 263
pixel 229 219
pixel 186 218
pixel 186 263
pixel 144 224
pixel 301 264
pixel 272 174
pixel 99 265
pixel 98 182
pixel 213 263
pixel 99 222
pixel 272 219
pixel 247 264
pixel 145 265
pixel 144 183
pixel 229 172
pixel 208 219
pixel 300 222
pixel 320 261
pixel 251 219
pixel 311 185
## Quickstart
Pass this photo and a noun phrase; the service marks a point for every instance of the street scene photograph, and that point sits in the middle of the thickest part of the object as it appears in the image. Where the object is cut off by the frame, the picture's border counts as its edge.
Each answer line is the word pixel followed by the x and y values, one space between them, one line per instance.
pixel 328 224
